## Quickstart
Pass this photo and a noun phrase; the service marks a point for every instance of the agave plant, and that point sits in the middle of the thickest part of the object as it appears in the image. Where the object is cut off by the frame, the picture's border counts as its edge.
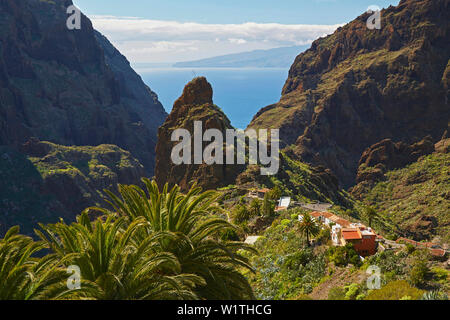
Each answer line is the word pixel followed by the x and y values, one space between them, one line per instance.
pixel 24 277
pixel 434 295
pixel 114 265
pixel 195 235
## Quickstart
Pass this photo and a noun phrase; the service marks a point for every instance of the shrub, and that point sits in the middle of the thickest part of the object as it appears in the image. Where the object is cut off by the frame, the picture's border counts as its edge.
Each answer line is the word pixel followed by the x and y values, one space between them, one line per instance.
pixel 410 248
pixel 324 236
pixel 342 256
pixel 440 275
pixel 275 193
pixel 418 273
pixel 395 290
pixel 336 294
pixel 241 214
pixel 298 259
pixel 352 291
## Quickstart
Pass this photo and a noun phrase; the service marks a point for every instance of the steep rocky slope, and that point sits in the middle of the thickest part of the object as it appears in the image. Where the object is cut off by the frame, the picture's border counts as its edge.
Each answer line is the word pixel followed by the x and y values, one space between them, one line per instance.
pixel 358 87
pixel 70 87
pixel 298 180
pixel 416 197
pixel 195 104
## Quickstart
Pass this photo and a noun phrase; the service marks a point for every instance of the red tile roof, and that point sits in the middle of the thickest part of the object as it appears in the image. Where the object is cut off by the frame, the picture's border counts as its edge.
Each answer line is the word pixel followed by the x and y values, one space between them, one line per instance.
pixel 316 214
pixel 343 222
pixel 438 252
pixel 351 234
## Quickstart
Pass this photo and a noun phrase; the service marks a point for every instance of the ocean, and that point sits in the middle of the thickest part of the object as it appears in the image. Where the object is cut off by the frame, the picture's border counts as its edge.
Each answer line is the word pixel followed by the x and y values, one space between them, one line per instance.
pixel 241 93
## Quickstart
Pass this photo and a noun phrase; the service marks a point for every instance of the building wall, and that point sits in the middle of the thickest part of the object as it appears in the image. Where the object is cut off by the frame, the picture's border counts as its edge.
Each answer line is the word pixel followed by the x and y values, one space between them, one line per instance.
pixel 367 246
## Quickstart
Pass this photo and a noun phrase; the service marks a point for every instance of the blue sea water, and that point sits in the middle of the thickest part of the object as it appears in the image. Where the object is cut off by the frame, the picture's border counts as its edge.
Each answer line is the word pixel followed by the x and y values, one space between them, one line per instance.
pixel 241 93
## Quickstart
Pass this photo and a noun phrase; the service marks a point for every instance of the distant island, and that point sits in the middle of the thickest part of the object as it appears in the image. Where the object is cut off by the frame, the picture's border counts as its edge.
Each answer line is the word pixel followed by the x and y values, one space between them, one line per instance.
pixel 272 58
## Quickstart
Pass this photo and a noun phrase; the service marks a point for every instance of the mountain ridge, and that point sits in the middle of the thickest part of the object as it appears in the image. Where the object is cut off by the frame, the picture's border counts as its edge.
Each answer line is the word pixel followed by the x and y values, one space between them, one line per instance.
pixel 272 58
pixel 343 94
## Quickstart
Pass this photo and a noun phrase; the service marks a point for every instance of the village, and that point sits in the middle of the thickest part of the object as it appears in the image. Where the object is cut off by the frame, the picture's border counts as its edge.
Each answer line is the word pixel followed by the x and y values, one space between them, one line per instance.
pixel 365 240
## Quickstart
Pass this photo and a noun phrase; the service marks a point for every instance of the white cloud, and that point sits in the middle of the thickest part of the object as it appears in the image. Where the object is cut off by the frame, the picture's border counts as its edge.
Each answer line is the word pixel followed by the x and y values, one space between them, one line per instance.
pixel 237 41
pixel 144 40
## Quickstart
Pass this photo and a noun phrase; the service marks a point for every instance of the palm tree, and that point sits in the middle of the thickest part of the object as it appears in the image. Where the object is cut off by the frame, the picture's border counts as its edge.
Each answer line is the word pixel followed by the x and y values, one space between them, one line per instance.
pixel 370 214
pixel 24 277
pixel 114 265
pixel 309 227
pixel 195 235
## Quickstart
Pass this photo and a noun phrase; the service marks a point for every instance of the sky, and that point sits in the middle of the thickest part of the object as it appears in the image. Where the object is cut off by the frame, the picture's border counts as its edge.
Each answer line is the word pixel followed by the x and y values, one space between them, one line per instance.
pixel 167 31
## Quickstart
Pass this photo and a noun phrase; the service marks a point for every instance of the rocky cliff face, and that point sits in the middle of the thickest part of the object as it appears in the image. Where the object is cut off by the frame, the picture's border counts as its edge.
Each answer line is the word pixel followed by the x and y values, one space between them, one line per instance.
pixel 358 86
pixel 71 87
pixel 195 104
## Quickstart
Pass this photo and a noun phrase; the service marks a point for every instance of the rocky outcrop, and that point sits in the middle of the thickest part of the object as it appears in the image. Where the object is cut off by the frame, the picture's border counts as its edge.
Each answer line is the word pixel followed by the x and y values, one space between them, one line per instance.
pixel 386 156
pixel 357 87
pixel 195 104
pixel 45 182
pixel 70 87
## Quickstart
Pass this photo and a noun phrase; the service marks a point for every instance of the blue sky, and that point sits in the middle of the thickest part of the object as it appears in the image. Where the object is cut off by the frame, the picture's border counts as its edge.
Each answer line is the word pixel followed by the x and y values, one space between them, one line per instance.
pixel 179 30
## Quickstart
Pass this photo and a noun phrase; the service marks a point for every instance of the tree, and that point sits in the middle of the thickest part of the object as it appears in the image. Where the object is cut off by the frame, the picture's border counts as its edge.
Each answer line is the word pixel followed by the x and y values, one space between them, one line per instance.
pixel 275 193
pixel 268 207
pixel 255 207
pixel 23 277
pixel 418 273
pixel 309 227
pixel 195 235
pixel 117 265
pixel 241 214
pixel 370 214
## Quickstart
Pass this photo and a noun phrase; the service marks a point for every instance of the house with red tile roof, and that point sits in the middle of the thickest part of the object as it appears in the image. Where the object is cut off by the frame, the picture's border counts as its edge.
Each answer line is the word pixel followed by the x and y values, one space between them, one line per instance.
pixel 343 231
pixel 362 238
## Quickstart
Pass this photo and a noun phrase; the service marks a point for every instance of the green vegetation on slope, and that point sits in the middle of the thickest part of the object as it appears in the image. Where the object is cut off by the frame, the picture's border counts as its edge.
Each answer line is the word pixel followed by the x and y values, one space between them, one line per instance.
pixel 50 181
pixel 421 189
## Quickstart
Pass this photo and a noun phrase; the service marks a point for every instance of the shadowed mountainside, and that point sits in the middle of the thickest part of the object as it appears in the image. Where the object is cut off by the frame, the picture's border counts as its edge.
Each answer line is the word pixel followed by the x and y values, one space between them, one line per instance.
pixel 75 90
pixel 70 87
